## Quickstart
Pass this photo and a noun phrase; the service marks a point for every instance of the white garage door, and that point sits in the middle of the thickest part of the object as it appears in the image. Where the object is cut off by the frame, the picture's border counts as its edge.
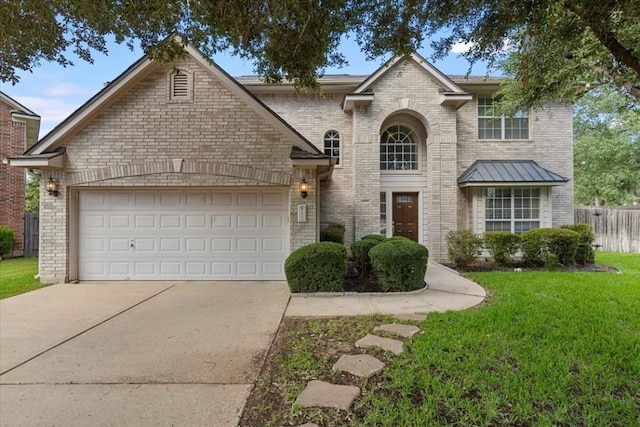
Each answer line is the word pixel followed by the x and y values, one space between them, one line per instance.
pixel 183 234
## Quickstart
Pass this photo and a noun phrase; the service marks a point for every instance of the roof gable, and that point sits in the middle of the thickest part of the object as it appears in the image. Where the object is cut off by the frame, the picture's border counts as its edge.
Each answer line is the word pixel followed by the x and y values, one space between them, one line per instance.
pixel 80 118
pixel 441 79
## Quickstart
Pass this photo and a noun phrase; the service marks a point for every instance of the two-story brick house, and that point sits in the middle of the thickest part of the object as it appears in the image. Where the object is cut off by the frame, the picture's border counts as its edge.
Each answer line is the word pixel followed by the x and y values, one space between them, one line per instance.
pixel 19 129
pixel 183 172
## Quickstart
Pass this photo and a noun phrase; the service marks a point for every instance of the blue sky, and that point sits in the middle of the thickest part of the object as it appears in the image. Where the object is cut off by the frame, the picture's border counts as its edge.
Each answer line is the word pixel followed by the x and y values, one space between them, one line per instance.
pixel 54 92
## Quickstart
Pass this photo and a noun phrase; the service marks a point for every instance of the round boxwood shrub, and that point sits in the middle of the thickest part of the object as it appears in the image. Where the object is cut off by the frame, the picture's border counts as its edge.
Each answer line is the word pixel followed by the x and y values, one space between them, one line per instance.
pixel 334 232
pixel 399 264
pixel 585 253
pixel 563 243
pixel 6 240
pixel 378 237
pixel 318 267
pixel 360 250
pixel 502 245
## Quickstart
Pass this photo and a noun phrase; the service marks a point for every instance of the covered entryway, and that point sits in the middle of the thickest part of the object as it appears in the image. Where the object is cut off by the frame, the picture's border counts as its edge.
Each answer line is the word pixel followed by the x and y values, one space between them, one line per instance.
pixel 405 215
pixel 204 234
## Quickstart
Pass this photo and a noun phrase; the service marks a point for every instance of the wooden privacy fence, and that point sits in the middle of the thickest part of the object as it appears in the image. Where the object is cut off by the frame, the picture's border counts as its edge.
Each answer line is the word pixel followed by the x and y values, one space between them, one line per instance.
pixel 616 229
pixel 31 234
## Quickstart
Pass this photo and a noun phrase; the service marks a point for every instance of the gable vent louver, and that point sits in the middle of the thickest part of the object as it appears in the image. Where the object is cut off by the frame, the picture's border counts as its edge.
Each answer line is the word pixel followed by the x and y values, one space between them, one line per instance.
pixel 180 85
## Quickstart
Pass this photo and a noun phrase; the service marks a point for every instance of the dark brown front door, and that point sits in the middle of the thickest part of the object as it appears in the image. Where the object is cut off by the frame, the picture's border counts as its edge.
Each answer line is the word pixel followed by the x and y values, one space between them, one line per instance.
pixel 405 215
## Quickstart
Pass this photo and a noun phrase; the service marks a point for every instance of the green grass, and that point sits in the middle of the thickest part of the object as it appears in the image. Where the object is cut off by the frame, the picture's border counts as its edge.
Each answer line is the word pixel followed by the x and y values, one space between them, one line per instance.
pixel 545 349
pixel 16 276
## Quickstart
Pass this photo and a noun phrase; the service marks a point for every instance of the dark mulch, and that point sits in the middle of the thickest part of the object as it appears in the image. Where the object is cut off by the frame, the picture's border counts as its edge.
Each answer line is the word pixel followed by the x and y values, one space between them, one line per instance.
pixel 487 266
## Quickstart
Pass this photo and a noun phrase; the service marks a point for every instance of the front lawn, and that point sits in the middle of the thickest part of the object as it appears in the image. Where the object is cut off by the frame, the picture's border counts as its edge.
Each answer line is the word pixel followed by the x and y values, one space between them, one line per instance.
pixel 16 276
pixel 559 349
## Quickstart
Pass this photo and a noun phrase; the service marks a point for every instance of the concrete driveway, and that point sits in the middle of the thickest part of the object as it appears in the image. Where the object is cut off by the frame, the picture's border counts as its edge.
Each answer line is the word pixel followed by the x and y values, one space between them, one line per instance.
pixel 135 353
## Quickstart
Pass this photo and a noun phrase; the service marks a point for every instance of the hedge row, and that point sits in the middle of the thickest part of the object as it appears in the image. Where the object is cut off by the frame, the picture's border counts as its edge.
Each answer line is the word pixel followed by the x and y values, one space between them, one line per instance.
pixel 6 240
pixel 398 263
pixel 568 245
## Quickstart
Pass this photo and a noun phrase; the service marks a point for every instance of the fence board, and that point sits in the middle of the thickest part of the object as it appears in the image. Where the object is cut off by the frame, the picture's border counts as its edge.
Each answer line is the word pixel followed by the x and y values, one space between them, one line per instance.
pixel 616 229
pixel 31 234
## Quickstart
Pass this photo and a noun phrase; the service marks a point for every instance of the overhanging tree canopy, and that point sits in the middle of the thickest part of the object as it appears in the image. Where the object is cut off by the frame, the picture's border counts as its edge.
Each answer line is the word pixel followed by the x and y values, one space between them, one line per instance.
pixel 548 46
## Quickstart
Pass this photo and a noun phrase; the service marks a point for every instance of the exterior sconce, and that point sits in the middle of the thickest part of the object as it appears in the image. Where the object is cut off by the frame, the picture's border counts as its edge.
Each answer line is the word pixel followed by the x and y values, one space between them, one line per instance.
pixel 304 188
pixel 52 187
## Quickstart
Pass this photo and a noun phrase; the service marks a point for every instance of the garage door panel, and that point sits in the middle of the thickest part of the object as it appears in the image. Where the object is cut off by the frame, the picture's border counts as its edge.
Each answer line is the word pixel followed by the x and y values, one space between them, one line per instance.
pixel 201 235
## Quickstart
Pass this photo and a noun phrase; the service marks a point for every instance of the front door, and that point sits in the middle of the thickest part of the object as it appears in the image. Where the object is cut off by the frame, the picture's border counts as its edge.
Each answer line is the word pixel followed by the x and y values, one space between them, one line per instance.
pixel 405 215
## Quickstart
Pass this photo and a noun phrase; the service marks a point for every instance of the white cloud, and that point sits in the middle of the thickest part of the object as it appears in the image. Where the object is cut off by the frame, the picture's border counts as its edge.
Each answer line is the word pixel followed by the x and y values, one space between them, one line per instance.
pixel 51 110
pixel 65 89
pixel 461 47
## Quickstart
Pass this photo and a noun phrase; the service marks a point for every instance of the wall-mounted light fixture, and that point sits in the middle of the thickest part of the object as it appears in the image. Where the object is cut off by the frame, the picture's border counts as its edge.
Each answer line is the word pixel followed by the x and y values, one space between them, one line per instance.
pixel 52 187
pixel 304 188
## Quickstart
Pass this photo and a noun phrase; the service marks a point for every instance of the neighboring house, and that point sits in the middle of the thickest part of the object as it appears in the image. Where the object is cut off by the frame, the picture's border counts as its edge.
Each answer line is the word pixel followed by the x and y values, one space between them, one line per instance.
pixel 19 129
pixel 194 175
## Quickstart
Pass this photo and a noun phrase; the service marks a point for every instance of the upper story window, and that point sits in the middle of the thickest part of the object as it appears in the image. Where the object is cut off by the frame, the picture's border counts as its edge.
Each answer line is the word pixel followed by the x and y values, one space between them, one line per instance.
pixel 514 210
pixel 492 126
pixel 398 149
pixel 332 144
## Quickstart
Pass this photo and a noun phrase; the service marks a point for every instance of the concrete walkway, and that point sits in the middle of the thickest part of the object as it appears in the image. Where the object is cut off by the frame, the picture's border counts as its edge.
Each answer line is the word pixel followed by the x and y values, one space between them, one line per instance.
pixel 164 353
pixel 446 290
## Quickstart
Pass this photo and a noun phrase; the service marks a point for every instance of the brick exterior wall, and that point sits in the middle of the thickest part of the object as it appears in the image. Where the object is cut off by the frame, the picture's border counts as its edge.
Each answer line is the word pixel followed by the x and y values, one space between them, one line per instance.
pixel 12 180
pixel 408 94
pixel 220 139
pixel 222 142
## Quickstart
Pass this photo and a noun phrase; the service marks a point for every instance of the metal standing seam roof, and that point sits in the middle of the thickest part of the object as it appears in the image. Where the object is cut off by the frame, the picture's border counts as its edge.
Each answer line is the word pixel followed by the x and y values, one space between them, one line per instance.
pixel 507 171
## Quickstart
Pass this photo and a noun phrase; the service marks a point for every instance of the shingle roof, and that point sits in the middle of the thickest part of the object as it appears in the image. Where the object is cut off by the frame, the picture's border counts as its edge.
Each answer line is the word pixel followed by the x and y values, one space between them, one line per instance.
pixel 509 171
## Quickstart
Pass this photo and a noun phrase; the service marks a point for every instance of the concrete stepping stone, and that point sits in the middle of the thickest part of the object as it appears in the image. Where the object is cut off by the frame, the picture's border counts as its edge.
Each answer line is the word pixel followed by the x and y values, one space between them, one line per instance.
pixel 405 331
pixel 327 395
pixel 360 365
pixel 414 317
pixel 388 344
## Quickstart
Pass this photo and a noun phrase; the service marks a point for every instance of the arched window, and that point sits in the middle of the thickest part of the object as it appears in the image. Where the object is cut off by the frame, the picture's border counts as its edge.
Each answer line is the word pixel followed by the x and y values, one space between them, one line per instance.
pixel 332 144
pixel 398 149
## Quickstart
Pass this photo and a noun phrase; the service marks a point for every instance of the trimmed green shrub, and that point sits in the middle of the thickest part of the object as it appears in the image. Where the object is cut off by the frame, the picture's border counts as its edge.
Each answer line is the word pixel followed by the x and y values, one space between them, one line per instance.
pixel 399 265
pixel 463 247
pixel 334 232
pixel 563 243
pixel 396 239
pixel 378 237
pixel 318 267
pixel 585 253
pixel 6 240
pixel 360 251
pixel 551 262
pixel 502 245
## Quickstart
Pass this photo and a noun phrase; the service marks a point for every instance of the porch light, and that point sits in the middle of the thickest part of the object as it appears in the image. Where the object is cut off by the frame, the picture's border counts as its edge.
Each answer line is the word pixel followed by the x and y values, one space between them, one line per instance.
pixel 304 188
pixel 52 187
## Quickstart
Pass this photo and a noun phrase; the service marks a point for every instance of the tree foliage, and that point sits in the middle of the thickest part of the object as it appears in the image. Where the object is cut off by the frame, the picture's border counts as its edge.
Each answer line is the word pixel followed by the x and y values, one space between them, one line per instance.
pixel 32 195
pixel 548 46
pixel 606 148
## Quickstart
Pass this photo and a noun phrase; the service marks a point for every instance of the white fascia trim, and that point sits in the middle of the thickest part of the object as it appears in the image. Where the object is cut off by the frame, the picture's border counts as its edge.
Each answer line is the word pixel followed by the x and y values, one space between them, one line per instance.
pixel 56 162
pixel 78 119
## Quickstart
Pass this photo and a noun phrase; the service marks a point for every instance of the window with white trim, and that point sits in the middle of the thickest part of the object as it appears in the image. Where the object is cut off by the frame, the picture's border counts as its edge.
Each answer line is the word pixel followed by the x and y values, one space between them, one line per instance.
pixel 492 126
pixel 515 210
pixel 332 144
pixel 383 213
pixel 398 149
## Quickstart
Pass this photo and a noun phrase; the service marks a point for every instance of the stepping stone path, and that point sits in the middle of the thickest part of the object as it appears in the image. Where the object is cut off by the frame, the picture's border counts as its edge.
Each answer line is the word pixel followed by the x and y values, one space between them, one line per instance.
pixel 360 365
pixel 324 394
pixel 327 395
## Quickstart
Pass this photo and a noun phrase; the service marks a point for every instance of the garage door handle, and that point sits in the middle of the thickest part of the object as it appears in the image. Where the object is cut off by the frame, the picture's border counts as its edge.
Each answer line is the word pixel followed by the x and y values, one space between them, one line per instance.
pixel 131 245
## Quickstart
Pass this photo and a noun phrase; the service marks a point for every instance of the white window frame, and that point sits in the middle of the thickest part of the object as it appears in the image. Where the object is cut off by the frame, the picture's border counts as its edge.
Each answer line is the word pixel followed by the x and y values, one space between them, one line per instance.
pixel 502 121
pixel 415 142
pixel 332 137
pixel 512 208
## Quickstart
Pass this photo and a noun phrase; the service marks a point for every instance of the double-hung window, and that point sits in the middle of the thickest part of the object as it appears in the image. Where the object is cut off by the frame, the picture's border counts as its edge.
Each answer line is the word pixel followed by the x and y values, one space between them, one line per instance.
pixel 492 126
pixel 512 209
